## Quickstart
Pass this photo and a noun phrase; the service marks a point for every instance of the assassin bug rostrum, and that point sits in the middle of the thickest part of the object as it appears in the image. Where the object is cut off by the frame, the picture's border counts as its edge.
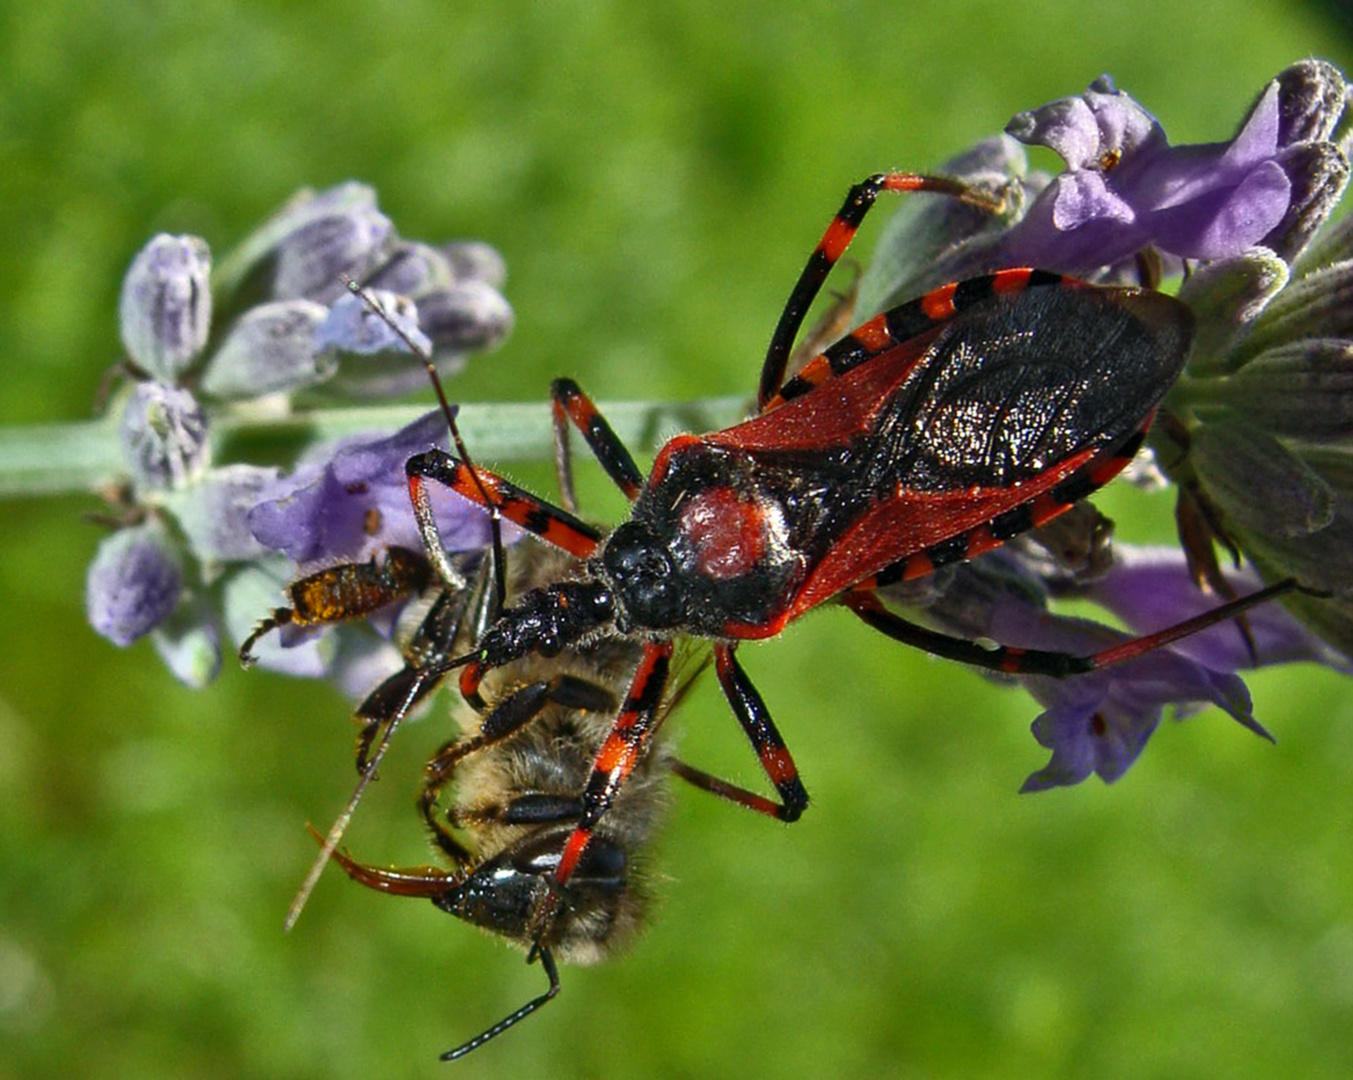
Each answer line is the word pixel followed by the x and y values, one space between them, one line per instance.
pixel 930 434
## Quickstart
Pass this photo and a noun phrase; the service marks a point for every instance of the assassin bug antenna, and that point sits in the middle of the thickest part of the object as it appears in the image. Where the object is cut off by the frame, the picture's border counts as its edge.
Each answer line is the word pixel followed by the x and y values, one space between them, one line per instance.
pixel 422 510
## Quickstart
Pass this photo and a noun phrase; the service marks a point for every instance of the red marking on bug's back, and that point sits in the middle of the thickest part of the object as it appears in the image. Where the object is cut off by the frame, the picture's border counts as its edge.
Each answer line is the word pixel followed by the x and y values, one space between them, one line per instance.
pixel 1013 280
pixel 874 334
pixel 727 530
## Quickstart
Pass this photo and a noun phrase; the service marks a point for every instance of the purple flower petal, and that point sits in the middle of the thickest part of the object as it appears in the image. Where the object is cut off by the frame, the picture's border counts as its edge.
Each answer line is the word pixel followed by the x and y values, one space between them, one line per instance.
pixel 1100 722
pixel 1126 188
pixel 357 504
pixel 1092 131
pixel 1094 723
pixel 1083 740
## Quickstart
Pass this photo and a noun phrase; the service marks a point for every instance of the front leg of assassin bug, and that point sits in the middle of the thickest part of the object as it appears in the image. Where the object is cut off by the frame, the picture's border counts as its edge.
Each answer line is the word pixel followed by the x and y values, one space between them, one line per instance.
pixel 859 200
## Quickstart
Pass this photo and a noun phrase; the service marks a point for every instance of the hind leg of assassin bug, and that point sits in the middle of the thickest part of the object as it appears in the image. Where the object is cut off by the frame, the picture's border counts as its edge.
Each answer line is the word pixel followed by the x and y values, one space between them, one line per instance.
pixel 933 432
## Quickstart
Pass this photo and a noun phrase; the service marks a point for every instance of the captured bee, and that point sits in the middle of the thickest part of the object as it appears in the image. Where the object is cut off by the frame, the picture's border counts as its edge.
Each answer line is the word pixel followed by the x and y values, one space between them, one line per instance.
pixel 501 800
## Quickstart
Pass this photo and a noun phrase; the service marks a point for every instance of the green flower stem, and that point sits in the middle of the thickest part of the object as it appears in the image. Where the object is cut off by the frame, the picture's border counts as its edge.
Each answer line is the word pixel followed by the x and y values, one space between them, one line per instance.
pixel 56 459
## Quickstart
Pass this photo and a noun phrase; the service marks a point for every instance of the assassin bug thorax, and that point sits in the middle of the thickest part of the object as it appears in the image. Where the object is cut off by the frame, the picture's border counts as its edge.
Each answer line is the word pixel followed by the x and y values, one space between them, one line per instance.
pixel 930 434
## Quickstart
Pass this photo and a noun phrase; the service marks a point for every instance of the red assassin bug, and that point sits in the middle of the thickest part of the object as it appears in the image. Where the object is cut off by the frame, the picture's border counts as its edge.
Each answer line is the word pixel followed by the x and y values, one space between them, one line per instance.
pixel 932 433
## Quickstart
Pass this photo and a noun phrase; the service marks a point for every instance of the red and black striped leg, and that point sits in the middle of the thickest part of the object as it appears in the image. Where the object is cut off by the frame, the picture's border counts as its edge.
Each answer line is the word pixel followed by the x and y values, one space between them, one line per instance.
pixel 715 785
pixel 1060 665
pixel 551 523
pixel 573 406
pixel 638 720
pixel 833 245
pixel 760 729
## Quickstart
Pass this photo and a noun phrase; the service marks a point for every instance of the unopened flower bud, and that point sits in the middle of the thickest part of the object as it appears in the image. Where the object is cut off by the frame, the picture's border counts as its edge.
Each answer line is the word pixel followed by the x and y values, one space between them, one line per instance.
pixel 351 325
pixel 470 317
pixel 474 260
pixel 164 436
pixel 270 349
pixel 133 583
pixel 165 310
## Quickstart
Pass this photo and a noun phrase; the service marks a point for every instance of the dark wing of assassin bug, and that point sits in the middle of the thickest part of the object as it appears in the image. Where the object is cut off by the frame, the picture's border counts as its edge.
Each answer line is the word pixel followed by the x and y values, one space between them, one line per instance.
pixel 932 433
pixel 517 774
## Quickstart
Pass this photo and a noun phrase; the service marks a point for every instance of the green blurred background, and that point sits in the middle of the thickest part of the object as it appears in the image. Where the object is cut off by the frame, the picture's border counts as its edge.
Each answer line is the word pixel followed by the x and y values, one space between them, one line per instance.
pixel 655 178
